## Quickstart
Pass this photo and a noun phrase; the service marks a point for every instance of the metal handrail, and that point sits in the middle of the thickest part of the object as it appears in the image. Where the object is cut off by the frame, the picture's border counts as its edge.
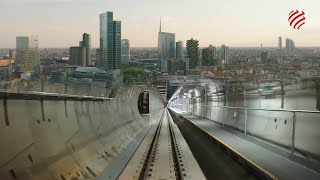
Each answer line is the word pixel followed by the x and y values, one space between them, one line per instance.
pixel 294 117
pixel 262 109
pixel 50 96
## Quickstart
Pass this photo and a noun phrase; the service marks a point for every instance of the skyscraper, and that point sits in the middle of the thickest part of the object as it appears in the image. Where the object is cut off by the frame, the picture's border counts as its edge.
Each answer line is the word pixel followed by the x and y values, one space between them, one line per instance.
pixel 290 44
pixel 86 42
pixel 193 53
pixel 166 48
pixel 110 42
pixel 166 44
pixel 27 57
pixel 280 43
pixel 224 51
pixel 77 56
pixel 264 57
pixel 208 55
pixel 214 51
pixel 116 62
pixel 125 52
pixel 179 49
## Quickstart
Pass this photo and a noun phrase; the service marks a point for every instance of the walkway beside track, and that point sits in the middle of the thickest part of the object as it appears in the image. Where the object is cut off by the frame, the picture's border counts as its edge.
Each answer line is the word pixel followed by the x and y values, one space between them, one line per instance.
pixel 270 162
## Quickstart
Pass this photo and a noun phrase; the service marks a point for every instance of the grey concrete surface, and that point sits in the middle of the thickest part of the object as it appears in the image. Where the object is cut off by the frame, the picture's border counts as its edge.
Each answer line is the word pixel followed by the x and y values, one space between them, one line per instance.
pixel 67 140
pixel 277 165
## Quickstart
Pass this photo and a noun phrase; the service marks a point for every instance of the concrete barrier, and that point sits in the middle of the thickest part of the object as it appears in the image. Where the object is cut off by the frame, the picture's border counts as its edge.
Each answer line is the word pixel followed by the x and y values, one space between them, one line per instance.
pixel 275 127
pixel 66 139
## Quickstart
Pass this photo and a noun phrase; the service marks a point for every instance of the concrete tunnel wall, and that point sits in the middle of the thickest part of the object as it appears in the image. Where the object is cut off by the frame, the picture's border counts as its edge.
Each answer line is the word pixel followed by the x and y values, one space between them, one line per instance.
pixel 263 124
pixel 69 139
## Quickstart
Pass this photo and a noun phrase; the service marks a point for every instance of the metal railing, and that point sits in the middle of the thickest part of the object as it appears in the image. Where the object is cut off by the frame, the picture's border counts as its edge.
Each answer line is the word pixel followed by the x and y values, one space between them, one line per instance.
pixel 294 117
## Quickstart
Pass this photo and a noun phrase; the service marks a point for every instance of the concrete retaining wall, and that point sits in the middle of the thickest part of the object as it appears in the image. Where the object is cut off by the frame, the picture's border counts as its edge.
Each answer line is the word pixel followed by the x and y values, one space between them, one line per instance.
pixel 66 139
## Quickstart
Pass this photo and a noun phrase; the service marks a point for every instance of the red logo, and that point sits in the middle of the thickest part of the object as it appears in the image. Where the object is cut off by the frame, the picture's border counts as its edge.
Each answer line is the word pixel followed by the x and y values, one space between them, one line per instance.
pixel 296 19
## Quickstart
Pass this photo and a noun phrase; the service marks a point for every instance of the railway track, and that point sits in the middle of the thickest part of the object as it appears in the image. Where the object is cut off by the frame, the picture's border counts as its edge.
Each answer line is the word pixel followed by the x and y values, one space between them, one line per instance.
pixel 163 154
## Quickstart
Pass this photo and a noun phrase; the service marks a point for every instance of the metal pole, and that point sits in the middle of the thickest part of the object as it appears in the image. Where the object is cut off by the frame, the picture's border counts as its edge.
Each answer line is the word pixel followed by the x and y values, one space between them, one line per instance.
pixel 245 112
pixel 293 131
pixel 201 111
pixel 223 119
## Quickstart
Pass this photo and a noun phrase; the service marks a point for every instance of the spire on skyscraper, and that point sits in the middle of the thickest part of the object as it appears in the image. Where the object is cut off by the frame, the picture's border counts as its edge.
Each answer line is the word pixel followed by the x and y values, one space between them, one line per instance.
pixel 160 25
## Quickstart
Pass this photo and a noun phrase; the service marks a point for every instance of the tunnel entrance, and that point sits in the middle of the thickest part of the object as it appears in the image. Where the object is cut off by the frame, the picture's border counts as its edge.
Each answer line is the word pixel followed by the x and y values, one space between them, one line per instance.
pixel 143 103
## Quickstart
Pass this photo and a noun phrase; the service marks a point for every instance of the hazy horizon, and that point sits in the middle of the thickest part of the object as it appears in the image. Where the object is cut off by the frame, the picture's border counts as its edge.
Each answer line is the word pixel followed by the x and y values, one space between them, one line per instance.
pixel 249 23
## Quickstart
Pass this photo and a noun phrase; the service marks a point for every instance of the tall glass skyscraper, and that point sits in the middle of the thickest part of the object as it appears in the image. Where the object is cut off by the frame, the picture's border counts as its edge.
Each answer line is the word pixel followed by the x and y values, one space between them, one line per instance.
pixel 166 45
pixel 116 62
pixel 110 42
pixel 27 57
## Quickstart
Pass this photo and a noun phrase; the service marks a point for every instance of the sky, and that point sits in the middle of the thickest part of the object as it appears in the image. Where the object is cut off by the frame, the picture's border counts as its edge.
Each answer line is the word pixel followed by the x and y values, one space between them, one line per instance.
pixel 236 23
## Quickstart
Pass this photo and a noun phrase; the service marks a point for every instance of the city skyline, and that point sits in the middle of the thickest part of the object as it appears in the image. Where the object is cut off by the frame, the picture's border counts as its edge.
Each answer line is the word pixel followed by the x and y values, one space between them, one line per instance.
pixel 211 22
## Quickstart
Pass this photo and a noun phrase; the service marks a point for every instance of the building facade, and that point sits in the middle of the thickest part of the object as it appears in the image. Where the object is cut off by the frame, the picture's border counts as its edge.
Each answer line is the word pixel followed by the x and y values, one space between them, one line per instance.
pixel 224 52
pixel 166 45
pixel 290 44
pixel 125 52
pixel 280 43
pixel 110 42
pixel 12 54
pixel 179 49
pixel 115 63
pixel 264 57
pixel 77 56
pixel 193 53
pixel 27 53
pixel 86 42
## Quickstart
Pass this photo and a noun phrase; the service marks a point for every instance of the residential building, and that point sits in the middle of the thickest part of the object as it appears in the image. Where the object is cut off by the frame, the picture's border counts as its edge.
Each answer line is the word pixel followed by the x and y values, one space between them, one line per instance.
pixel 208 56
pixel 86 42
pixel 192 53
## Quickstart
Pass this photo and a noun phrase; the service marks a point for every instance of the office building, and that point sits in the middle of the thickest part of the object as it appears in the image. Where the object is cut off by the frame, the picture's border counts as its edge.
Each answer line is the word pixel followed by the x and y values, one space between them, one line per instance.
pixel 280 43
pixel 86 42
pixel 77 56
pixel 224 53
pixel 179 49
pixel 116 62
pixel 166 45
pixel 264 57
pixel 166 48
pixel 12 54
pixel 193 53
pixel 290 44
pixel 110 42
pixel 125 52
pixel 27 56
